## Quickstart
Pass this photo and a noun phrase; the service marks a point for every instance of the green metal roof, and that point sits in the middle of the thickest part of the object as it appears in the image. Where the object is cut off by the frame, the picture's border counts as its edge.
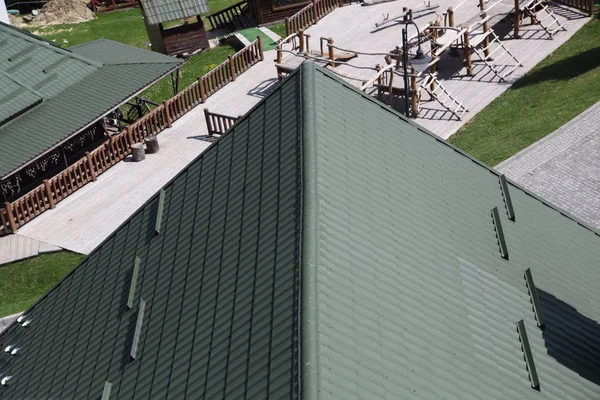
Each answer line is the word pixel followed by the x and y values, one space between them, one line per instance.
pixel 220 283
pixel 159 11
pixel 325 245
pixel 48 93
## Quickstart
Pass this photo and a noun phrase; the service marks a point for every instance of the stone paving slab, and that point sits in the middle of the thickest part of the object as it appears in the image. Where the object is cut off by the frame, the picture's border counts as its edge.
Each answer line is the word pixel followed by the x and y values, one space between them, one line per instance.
pixel 564 167
pixel 6 321
pixel 18 247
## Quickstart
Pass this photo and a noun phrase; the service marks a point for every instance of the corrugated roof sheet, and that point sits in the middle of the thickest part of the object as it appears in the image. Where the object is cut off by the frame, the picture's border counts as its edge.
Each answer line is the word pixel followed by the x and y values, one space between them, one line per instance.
pixel 383 233
pixel 220 283
pixel 159 11
pixel 414 300
pixel 77 86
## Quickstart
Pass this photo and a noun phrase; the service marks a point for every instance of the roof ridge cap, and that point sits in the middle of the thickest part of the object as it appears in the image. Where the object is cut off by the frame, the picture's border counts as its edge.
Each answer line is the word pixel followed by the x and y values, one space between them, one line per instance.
pixel 309 250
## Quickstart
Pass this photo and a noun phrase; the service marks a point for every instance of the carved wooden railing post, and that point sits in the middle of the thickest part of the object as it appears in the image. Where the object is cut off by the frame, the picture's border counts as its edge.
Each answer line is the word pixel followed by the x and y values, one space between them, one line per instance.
pixel 287 27
pixel 166 104
pixel 231 68
pixel 260 49
pixel 49 193
pixel 314 9
pixel 468 53
pixel 202 92
pixel 129 136
pixel 90 163
pixel 11 217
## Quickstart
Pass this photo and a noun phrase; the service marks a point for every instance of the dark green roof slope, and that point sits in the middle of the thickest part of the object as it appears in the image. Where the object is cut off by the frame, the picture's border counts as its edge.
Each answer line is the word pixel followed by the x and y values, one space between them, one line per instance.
pixel 326 205
pixel 413 299
pixel 159 11
pixel 48 93
pixel 220 283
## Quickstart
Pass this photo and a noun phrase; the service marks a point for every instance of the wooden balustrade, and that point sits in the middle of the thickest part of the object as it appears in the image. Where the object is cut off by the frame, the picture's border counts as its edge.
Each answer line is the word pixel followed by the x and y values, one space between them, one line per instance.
pixel 222 18
pixel 218 124
pixel 583 5
pixel 115 149
pixel 312 13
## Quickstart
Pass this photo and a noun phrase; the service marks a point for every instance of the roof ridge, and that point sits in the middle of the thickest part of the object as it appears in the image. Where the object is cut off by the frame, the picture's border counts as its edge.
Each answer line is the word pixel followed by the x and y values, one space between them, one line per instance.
pixel 309 222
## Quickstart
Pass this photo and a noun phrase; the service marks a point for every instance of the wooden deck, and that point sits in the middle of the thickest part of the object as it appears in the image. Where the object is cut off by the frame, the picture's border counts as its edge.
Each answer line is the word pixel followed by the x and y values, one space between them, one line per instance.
pixel 353 27
pixel 86 218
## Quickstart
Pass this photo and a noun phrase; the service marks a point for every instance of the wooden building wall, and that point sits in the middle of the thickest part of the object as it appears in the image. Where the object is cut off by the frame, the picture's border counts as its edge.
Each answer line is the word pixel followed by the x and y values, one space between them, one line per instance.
pixel 185 38
pixel 268 11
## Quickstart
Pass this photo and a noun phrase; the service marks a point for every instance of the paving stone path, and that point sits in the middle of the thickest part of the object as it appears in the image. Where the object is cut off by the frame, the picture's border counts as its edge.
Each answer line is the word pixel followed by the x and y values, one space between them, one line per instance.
pixel 564 167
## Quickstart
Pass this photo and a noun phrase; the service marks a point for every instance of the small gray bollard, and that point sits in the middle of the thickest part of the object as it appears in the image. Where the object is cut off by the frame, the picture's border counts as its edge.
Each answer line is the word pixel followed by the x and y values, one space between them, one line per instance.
pixel 137 151
pixel 151 144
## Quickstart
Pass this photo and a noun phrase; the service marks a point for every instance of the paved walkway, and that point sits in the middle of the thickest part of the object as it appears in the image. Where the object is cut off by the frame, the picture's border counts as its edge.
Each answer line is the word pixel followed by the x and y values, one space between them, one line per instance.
pixel 564 167
pixel 6 321
pixel 18 247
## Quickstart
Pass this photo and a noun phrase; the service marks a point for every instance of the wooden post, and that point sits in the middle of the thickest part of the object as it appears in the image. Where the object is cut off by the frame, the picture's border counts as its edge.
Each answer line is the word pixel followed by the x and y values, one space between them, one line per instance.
pixel 49 193
pixel 11 217
pixel 129 135
pixel 314 7
pixel 260 48
pixel 166 104
pixel 341 3
pixel 379 82
pixel 88 156
pixel 451 16
pixel 468 54
pixel 208 121
pixel 287 27
pixel 301 40
pixel 414 95
pixel 231 68
pixel 432 71
pixel 202 93
pixel 331 55
pixel 486 41
pixel 517 19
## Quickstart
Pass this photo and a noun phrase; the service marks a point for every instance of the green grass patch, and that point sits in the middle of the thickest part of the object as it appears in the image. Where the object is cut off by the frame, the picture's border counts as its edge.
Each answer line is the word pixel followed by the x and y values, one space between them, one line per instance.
pixel 558 89
pixel 252 33
pixel 23 282
pixel 279 29
pixel 196 66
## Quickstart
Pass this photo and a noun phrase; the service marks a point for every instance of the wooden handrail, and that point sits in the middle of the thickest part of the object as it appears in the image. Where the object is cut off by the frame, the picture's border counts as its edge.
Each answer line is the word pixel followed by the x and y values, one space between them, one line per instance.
pixel 218 124
pixel 111 151
pixel 311 14
pixel 222 18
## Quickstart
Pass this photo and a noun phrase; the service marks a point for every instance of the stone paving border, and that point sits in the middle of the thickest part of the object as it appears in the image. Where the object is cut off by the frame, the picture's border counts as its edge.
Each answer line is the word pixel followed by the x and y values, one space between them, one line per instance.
pixel 6 321
pixel 564 167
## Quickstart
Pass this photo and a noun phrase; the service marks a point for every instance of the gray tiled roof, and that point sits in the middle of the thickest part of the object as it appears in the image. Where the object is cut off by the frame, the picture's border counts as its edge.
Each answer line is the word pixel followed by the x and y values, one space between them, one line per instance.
pixel 159 11
pixel 48 93
pixel 325 205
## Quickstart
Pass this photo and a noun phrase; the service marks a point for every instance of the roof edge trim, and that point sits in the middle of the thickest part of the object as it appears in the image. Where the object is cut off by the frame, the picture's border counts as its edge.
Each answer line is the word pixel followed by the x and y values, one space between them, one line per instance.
pixel 309 342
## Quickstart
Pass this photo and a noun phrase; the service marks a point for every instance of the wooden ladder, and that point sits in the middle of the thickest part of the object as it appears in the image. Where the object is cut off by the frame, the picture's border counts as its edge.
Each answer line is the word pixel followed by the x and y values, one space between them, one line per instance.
pixel 437 92
pixel 499 60
pixel 548 21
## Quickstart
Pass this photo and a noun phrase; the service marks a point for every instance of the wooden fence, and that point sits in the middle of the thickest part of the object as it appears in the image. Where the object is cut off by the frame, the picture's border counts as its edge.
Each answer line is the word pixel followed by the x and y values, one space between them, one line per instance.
pixel 99 6
pixel 85 170
pixel 583 5
pixel 222 18
pixel 218 124
pixel 311 14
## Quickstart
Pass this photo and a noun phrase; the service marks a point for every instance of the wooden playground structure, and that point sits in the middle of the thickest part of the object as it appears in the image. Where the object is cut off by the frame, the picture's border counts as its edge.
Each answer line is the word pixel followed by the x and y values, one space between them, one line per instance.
pixel 474 41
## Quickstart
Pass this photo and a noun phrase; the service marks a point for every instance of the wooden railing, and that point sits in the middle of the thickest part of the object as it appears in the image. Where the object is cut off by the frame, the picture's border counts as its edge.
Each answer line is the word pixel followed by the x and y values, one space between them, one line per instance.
pixel 45 196
pixel 583 5
pixel 218 124
pixel 311 14
pixel 222 18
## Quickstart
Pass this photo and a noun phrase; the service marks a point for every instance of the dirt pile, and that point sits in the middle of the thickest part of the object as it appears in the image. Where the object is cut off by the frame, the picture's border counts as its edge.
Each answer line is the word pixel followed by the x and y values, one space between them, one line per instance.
pixel 64 12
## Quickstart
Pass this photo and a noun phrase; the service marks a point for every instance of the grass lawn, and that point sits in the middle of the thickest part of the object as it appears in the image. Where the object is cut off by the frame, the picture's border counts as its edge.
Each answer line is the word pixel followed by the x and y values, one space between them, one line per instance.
pixel 558 89
pixel 23 282
pixel 279 29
